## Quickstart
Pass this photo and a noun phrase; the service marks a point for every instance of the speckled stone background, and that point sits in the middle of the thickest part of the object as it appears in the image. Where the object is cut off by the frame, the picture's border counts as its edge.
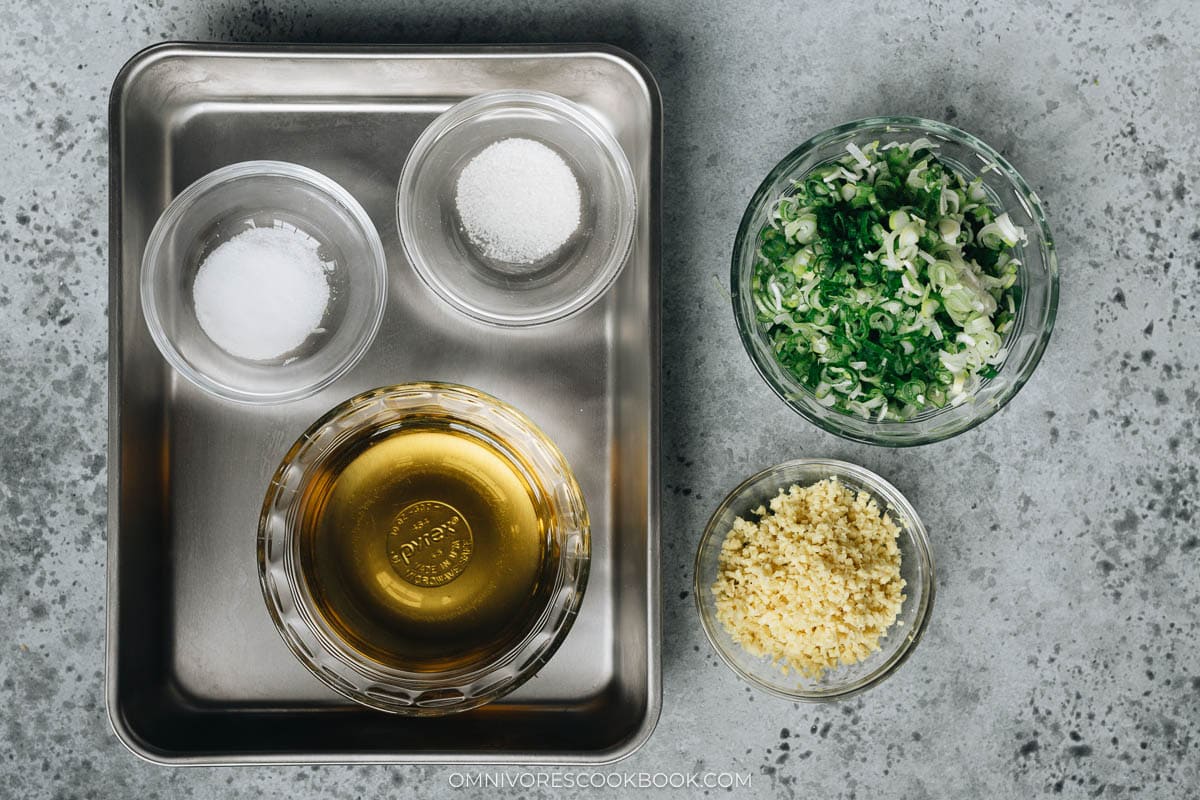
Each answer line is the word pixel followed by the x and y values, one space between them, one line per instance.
pixel 1063 656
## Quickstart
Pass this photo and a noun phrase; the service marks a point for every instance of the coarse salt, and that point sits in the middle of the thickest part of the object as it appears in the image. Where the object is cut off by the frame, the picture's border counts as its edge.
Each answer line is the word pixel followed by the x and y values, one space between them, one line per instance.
pixel 261 294
pixel 518 201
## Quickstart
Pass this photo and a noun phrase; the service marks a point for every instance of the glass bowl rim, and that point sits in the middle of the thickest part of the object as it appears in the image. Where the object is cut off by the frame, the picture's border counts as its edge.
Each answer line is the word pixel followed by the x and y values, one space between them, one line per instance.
pixel 532 643
pixel 884 493
pixel 178 208
pixel 563 108
pixel 747 327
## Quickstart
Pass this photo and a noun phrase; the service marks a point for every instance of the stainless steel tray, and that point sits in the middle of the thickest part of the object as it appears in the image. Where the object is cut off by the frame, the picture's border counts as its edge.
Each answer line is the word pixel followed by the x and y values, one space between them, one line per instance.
pixel 196 674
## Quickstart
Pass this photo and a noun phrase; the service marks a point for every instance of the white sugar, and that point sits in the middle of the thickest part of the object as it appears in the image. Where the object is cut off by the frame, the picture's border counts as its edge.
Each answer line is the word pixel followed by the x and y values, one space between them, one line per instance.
pixel 518 200
pixel 259 295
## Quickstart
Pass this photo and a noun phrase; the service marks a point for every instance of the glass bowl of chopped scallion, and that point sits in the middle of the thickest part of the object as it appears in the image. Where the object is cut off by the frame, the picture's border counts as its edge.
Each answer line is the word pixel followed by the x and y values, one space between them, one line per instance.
pixel 895 281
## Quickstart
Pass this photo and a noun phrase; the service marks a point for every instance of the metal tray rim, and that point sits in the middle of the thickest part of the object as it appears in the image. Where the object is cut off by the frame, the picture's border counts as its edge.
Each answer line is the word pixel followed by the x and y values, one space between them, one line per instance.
pixel 112 700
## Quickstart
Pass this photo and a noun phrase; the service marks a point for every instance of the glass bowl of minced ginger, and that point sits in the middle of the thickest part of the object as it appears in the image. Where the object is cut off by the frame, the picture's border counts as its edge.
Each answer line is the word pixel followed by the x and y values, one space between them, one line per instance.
pixel 814 580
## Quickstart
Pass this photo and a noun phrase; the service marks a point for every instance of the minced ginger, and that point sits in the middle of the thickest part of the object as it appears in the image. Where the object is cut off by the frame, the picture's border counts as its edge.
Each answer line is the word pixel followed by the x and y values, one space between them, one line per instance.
pixel 815 582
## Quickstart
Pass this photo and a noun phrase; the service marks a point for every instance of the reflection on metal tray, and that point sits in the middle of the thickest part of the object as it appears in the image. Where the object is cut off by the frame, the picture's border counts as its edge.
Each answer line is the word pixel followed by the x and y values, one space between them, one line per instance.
pixel 195 671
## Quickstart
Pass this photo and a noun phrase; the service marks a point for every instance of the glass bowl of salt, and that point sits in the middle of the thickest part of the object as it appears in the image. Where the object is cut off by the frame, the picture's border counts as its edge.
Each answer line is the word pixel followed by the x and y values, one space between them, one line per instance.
pixel 263 282
pixel 517 207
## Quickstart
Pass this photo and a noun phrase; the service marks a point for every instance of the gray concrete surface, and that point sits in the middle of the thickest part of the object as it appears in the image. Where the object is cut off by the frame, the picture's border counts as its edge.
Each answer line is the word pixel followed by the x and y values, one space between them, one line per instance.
pixel 1063 654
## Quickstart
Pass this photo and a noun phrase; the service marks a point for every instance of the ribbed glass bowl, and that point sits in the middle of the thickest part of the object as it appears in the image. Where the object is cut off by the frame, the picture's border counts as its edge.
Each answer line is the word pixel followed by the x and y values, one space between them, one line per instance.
pixel 1037 279
pixel 916 568
pixel 264 194
pixel 314 641
pixel 565 282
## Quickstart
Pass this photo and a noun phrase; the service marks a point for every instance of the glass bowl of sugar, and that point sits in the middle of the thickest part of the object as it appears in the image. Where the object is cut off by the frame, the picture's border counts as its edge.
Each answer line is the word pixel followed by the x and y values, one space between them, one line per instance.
pixel 263 282
pixel 517 208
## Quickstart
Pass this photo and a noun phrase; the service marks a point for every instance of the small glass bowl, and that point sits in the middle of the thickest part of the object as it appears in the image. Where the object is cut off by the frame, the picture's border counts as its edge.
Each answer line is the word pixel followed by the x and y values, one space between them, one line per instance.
pixel 1037 279
pixel 565 282
pixel 263 194
pixel 313 458
pixel 916 568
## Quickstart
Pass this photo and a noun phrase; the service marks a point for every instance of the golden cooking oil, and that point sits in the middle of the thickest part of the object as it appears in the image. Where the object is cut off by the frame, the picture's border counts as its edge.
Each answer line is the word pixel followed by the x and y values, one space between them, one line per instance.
pixel 426 547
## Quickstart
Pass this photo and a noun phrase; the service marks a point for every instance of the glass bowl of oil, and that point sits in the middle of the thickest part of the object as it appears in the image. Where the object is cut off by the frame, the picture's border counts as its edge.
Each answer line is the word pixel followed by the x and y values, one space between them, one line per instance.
pixel 423 549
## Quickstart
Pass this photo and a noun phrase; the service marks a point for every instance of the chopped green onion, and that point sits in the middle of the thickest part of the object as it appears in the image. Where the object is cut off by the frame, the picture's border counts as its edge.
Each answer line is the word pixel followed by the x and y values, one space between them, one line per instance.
pixel 885 281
